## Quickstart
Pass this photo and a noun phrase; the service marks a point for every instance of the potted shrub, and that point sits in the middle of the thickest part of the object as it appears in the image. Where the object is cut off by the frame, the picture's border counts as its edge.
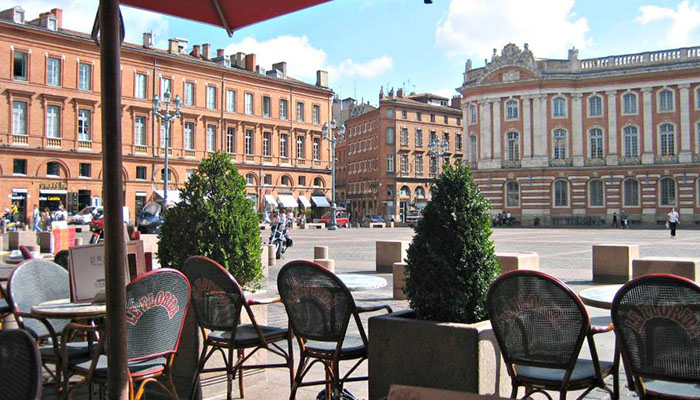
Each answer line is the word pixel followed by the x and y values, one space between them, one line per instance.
pixel 444 341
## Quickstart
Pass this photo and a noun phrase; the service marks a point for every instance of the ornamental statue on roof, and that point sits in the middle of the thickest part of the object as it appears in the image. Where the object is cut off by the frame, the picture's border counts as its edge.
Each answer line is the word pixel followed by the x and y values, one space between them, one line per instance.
pixel 512 55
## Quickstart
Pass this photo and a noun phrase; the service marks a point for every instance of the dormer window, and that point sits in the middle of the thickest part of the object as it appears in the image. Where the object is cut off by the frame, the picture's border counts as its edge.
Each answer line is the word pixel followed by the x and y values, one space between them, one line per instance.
pixel 52 24
pixel 19 16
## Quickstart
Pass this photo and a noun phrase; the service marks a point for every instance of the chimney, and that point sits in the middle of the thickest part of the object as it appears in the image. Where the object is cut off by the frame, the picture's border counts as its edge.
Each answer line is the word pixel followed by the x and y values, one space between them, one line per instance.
pixel 205 51
pixel 148 40
pixel 219 53
pixel 399 93
pixel 240 60
pixel 250 62
pixel 381 92
pixel 282 67
pixel 173 46
pixel 195 51
pixel 322 78
pixel 58 13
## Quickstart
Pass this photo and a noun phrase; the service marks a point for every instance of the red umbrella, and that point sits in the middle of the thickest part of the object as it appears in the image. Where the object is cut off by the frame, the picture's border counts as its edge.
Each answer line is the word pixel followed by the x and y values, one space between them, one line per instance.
pixel 229 14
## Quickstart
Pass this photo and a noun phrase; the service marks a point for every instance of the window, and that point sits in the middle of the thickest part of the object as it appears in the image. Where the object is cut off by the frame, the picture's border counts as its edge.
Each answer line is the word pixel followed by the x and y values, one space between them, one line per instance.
pixel 163 134
pixel 230 100
pixel 629 103
pixel 418 116
pixel 85 77
pixel 432 117
pixel 162 174
pixel 141 173
pixel 85 170
pixel 512 194
pixel 318 182
pixel 53 169
pixel 559 107
pixel 300 147
pixel 300 111
pixel 166 85
pixel 631 139
pixel 390 163
pixel 459 122
pixel 267 106
pixel 420 192
pixel 511 109
pixel 595 143
pixel 458 142
pixel 286 181
pixel 316 114
pixel 189 93
pixel 52 24
pixel 53 122
pixel 513 143
pixel 419 164
pixel 284 109
pixel 19 118
pixel 267 138
pixel 284 139
pixel 189 136
pixel 404 163
pixel 595 193
pixel 84 125
pixel 211 97
pixel 249 142
pixel 53 71
pixel 267 179
pixel 317 149
pixel 433 137
pixel 140 131
pixel 389 135
pixel 419 138
pixel 249 103
pixel 473 151
pixel 472 114
pixel 404 114
pixel 631 193
pixel 390 113
pixel 668 192
pixel 665 100
pixel 404 136
pixel 446 119
pixel 20 66
pixel 561 193
pixel 559 143
pixel 250 179
pixel 667 140
pixel 595 106
pixel 211 138
pixel 433 166
pixel 231 140
pixel 446 138
pixel 140 86
pixel 697 98
pixel 189 173
pixel 302 181
pixel 19 166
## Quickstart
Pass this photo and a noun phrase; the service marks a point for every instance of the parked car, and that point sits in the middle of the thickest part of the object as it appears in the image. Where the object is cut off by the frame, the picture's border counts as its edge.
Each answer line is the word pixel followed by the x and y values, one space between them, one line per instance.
pixel 341 217
pixel 85 215
pixel 374 218
pixel 150 218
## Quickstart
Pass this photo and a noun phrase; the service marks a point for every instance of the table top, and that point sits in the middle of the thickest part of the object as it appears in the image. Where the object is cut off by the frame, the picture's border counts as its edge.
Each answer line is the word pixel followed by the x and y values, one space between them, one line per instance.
pixel 359 282
pixel 63 308
pixel 599 296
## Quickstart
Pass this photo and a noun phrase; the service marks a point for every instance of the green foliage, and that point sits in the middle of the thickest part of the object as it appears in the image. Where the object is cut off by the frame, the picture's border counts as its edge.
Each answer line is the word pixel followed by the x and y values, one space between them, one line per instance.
pixel 451 261
pixel 216 220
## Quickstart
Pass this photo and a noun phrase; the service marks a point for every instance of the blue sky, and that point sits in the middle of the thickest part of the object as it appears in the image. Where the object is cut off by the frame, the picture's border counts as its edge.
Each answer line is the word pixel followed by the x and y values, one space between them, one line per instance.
pixel 365 44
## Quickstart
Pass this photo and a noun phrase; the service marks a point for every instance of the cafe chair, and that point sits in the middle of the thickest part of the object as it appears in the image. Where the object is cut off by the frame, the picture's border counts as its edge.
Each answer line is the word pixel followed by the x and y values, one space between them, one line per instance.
pixel 61 258
pixel 540 325
pixel 20 366
pixel 657 324
pixel 5 309
pixel 26 254
pixel 156 305
pixel 218 302
pixel 319 307
pixel 34 282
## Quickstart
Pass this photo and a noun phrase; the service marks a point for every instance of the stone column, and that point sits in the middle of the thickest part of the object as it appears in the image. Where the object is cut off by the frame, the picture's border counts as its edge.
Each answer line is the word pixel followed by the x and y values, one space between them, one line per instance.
pixel 685 155
pixel 611 158
pixel 485 134
pixel 540 153
pixel 497 135
pixel 648 151
pixel 577 130
pixel 527 132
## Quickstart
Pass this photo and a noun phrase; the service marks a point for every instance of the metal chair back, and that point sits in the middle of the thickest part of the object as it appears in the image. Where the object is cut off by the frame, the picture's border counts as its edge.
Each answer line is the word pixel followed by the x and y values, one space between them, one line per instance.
pixel 20 366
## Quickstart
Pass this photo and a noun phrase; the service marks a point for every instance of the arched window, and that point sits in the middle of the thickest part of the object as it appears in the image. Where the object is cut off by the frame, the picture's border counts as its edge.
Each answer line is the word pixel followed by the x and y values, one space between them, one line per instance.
pixel 286 181
pixel 561 193
pixel 162 174
pixel 318 182
pixel 559 107
pixel 665 100
pixel 631 193
pixel 513 143
pixel 511 109
pixel 595 193
pixel 595 143
pixel 667 140
pixel 595 106
pixel 559 144
pixel 405 191
pixel 472 114
pixel 629 103
pixel 53 169
pixel 631 140
pixel 512 194
pixel 667 189
pixel 250 179
pixel 420 192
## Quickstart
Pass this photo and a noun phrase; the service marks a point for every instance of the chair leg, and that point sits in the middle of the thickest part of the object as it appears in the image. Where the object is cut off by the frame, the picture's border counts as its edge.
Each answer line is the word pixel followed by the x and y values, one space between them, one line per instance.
pixel 337 384
pixel 562 395
pixel 290 359
pixel 297 378
pixel 171 386
pixel 241 356
pixel 229 374
pixel 200 367
pixel 514 391
pixel 329 381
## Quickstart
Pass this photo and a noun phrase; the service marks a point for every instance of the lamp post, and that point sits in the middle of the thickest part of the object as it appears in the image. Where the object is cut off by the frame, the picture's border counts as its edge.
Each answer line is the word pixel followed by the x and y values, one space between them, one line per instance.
pixel 166 117
pixel 438 150
pixel 333 134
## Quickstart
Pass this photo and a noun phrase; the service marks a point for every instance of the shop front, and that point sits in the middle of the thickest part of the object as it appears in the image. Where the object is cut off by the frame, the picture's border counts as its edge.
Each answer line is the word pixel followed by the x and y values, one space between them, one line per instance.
pixel 52 195
pixel 19 198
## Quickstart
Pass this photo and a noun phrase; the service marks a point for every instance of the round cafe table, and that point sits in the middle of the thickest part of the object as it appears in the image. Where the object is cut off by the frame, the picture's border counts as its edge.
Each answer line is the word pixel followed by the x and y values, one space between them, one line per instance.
pixel 64 309
pixel 359 282
pixel 599 296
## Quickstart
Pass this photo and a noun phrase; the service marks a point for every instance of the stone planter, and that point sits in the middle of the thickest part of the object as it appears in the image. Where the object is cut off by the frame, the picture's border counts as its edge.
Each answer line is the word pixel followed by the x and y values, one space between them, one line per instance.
pixel 449 356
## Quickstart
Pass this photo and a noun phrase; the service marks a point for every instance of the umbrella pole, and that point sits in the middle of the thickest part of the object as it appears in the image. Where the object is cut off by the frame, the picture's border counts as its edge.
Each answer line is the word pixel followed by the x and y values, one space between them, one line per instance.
pixel 110 46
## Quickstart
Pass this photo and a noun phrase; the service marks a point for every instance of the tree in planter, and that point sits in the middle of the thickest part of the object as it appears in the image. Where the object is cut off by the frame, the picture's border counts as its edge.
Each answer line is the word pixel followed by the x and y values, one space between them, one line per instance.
pixel 214 219
pixel 451 261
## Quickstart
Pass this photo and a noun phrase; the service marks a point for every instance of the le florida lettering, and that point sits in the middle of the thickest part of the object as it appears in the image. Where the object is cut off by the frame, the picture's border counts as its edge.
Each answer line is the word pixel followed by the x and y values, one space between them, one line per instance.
pixel 165 300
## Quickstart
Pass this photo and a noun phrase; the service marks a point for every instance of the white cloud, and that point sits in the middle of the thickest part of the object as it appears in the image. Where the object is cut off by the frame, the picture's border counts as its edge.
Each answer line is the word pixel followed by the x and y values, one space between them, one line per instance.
pixel 684 22
pixel 444 92
pixel 472 28
pixel 369 69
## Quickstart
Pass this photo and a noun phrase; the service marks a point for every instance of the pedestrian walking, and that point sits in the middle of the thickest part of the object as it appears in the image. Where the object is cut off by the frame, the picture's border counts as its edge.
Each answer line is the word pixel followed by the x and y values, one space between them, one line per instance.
pixel 614 222
pixel 672 221
pixel 36 217
pixel 624 220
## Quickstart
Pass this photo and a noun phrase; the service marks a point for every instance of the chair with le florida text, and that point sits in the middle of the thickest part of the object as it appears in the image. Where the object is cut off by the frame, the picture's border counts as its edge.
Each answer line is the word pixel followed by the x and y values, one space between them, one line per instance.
pixel 20 366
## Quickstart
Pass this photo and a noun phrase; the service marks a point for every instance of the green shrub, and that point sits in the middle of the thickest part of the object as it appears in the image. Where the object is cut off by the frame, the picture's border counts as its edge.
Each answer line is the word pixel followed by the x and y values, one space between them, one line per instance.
pixel 451 261
pixel 216 220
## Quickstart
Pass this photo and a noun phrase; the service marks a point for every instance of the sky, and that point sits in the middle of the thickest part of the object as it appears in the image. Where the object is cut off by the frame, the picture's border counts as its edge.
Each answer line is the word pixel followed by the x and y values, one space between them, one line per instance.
pixel 366 44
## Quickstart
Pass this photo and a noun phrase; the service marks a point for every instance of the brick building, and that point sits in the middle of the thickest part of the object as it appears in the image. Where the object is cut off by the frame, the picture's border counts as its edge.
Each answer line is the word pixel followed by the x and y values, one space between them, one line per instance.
pixel 50 121
pixel 573 141
pixel 384 165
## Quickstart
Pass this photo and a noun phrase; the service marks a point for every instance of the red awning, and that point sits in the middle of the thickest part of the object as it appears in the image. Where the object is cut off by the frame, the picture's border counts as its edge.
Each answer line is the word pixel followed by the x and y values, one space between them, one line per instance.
pixel 229 14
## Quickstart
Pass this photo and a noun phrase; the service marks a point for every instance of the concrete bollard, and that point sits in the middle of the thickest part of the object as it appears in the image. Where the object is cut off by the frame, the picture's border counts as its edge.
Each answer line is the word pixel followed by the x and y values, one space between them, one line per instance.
pixel 328 263
pixel 2 243
pixel 320 252
pixel 78 241
pixel 399 278
pixel 271 255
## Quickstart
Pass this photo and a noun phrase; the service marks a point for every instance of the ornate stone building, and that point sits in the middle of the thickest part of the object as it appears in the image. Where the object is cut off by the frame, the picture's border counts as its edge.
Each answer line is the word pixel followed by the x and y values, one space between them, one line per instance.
pixel 50 121
pixel 573 141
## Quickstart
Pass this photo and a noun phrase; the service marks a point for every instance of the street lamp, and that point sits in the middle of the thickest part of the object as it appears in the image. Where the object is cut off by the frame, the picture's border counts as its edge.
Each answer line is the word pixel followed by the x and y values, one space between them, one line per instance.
pixel 166 117
pixel 437 150
pixel 333 134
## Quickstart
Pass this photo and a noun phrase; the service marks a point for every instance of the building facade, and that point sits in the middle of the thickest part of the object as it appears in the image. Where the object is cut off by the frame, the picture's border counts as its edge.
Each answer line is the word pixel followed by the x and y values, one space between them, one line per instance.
pixel 385 165
pixel 50 121
pixel 574 141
